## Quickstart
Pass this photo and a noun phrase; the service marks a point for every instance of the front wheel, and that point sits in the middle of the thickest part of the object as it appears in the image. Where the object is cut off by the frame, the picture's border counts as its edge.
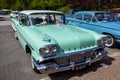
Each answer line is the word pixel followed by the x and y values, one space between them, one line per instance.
pixel 111 41
pixel 13 27
pixel 16 36
pixel 33 66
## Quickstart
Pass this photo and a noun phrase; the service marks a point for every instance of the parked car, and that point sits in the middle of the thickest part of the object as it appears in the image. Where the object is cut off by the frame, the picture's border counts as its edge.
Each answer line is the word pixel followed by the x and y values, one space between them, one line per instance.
pixel 5 11
pixel 54 46
pixel 0 12
pixel 99 21
pixel 14 14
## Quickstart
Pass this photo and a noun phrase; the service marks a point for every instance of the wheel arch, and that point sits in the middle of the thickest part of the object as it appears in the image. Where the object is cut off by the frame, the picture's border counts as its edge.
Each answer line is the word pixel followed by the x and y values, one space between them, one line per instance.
pixel 28 49
pixel 105 33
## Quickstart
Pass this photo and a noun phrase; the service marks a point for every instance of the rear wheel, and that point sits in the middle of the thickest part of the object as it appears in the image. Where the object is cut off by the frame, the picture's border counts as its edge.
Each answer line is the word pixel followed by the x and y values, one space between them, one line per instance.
pixel 111 41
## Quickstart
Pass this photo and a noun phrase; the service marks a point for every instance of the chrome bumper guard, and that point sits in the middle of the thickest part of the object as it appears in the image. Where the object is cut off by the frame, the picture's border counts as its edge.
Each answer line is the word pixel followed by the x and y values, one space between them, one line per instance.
pixel 118 41
pixel 53 67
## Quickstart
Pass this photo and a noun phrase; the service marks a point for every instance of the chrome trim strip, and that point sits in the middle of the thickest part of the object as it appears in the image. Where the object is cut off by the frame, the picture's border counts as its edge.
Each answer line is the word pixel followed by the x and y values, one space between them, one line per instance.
pixel 20 34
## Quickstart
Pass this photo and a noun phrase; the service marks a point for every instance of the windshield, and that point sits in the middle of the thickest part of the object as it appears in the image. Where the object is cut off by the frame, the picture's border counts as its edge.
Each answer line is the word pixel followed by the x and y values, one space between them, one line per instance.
pixel 47 18
pixel 105 17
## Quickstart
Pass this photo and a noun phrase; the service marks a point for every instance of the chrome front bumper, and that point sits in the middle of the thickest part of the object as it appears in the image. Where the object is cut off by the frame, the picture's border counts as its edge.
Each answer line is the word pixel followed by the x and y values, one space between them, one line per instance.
pixel 52 67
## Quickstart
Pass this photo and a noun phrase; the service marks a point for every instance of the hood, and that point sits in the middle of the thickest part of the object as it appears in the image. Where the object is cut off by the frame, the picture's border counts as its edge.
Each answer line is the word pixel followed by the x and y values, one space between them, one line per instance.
pixel 111 25
pixel 68 38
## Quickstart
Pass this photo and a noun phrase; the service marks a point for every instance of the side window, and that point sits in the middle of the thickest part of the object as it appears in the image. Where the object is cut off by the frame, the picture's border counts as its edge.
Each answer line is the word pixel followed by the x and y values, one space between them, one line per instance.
pixel 23 19
pixel 87 17
pixel 79 16
pixel 94 20
pixel 50 18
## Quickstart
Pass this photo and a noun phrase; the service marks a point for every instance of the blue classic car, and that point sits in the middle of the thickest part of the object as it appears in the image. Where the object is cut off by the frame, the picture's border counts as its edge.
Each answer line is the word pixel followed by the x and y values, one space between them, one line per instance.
pixel 99 21
pixel 72 11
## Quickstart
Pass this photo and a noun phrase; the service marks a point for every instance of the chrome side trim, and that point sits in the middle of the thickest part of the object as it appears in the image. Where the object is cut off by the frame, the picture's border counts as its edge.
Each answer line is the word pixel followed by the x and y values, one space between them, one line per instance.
pixel 21 35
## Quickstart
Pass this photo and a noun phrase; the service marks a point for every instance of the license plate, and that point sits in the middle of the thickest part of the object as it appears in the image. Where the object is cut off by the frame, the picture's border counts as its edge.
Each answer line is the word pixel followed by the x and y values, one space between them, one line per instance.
pixel 79 67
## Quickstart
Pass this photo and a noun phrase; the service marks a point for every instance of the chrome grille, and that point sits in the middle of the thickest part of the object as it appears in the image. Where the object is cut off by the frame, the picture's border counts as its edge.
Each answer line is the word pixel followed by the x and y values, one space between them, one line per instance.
pixel 73 58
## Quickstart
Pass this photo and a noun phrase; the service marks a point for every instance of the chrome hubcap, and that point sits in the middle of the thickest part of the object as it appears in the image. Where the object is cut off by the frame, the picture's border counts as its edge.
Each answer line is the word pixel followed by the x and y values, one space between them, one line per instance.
pixel 32 63
pixel 110 41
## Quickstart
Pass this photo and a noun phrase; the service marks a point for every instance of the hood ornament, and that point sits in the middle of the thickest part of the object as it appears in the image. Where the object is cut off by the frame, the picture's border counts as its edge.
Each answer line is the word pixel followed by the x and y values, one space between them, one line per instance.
pixel 46 39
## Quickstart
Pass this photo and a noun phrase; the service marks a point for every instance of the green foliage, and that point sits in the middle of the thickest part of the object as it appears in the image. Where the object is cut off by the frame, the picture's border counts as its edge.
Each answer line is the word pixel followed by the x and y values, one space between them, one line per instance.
pixel 64 9
pixel 3 4
pixel 61 5
pixel 18 5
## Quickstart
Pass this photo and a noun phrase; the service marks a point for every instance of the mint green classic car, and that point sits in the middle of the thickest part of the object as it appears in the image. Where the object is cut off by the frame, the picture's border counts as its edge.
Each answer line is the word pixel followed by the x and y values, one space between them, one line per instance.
pixel 55 46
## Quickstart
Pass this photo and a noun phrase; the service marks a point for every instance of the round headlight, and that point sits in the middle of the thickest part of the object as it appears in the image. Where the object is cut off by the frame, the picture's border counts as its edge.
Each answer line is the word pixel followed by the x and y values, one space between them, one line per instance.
pixel 54 49
pixel 48 50
pixel 44 50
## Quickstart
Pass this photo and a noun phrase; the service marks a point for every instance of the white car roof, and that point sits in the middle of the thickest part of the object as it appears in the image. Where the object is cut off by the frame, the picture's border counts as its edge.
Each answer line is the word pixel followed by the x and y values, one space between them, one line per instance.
pixel 28 12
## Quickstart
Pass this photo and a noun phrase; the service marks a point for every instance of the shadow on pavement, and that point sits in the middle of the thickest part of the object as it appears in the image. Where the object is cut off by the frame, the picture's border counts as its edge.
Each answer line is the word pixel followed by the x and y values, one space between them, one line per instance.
pixel 117 46
pixel 66 75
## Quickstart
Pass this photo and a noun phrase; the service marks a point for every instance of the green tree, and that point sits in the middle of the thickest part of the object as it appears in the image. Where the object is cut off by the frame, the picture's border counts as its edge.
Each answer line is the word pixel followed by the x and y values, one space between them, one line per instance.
pixel 18 5
pixel 3 4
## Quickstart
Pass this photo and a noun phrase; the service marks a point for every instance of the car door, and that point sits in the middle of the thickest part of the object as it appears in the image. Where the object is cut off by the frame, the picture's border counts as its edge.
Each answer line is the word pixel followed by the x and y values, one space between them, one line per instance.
pixel 77 20
pixel 21 29
pixel 86 21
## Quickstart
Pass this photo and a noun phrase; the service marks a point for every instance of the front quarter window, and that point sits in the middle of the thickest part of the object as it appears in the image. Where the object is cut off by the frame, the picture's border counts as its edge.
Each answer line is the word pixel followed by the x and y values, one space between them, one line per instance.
pixel 94 19
pixel 87 17
pixel 59 19
pixel 79 16
pixel 23 20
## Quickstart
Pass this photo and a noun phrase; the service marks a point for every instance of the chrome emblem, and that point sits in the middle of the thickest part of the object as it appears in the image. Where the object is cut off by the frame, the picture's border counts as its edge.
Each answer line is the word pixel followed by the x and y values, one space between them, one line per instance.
pixel 46 39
